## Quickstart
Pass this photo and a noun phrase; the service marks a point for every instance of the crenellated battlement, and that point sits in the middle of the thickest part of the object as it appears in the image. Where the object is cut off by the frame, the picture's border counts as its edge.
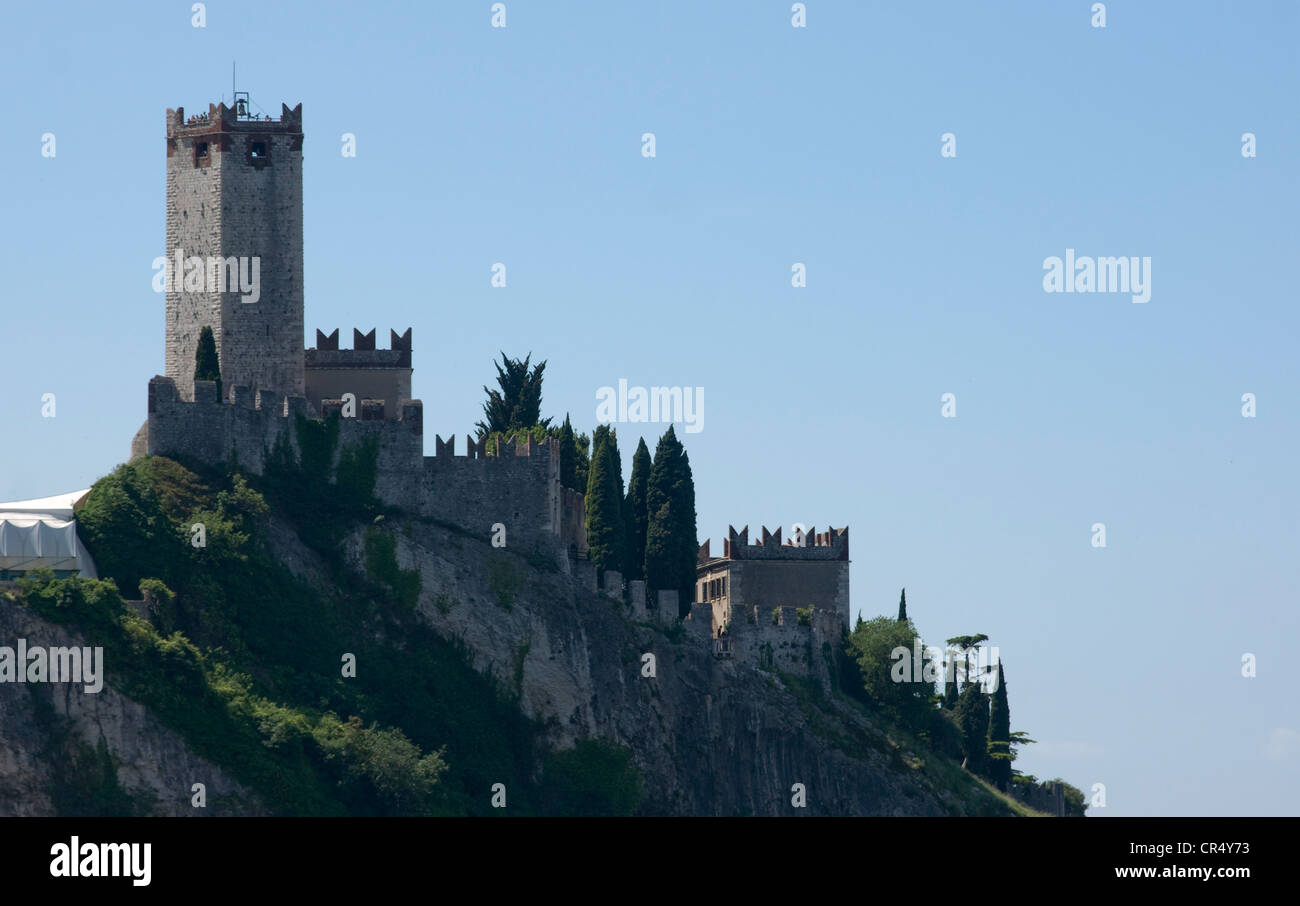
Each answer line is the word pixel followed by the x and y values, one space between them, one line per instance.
pixel 515 484
pixel 500 447
pixel 250 422
pixel 363 354
pixel 832 544
pixel 220 118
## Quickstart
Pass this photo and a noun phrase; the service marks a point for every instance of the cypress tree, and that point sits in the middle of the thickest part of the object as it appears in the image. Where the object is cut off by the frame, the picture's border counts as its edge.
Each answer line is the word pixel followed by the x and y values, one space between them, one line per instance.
pixel 582 462
pixel 950 683
pixel 206 365
pixel 635 513
pixel 569 457
pixel 606 531
pixel 902 607
pixel 1000 735
pixel 607 433
pixel 671 548
pixel 973 720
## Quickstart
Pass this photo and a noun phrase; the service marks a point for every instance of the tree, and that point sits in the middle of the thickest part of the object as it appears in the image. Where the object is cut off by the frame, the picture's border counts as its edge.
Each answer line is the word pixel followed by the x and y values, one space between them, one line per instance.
pixel 518 404
pixel 605 432
pixel 872 644
pixel 950 678
pixel 902 607
pixel 582 462
pixel 636 515
pixel 1020 738
pixel 671 547
pixel 973 642
pixel 606 531
pixel 999 744
pixel 972 717
pixel 206 365
pixel 573 458
pixel 966 643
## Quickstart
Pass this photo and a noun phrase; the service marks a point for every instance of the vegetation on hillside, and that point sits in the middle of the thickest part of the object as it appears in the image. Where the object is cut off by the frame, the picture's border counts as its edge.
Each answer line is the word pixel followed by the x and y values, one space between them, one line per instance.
pixel 965 722
pixel 245 661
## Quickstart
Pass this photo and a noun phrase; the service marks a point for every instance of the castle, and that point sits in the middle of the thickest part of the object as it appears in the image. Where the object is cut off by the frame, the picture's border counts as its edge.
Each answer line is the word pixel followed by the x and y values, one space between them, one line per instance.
pixel 234 229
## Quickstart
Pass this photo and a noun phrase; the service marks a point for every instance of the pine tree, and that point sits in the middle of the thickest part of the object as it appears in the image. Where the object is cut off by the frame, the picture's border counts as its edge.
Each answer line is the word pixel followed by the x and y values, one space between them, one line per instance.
pixel 635 513
pixel 606 531
pixel 902 607
pixel 999 745
pixel 966 643
pixel 518 404
pixel 671 547
pixel 206 365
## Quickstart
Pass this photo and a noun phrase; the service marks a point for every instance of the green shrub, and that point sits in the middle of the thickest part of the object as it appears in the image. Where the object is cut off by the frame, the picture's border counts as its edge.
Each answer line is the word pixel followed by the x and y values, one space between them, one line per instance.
pixel 503 579
pixel 381 566
pixel 594 778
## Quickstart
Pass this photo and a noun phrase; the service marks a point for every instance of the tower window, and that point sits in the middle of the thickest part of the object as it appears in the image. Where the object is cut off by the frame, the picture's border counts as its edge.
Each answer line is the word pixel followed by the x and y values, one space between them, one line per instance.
pixel 259 152
pixel 201 154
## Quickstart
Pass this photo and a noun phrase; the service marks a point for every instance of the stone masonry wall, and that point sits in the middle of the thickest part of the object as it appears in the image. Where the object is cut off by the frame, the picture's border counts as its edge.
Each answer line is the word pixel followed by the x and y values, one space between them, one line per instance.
pixel 519 487
pixel 231 204
pixel 210 431
pixel 783 644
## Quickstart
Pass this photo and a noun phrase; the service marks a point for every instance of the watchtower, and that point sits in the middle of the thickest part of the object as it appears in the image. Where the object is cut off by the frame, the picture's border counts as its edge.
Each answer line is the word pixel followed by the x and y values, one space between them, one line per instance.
pixel 234 246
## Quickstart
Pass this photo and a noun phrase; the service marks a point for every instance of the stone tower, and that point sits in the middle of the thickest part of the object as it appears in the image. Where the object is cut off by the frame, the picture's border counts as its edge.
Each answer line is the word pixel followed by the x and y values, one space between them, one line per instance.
pixel 234 213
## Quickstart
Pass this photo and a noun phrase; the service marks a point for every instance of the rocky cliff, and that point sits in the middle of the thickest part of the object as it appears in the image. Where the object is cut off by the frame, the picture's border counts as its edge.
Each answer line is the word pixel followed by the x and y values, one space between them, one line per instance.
pixel 53 739
pixel 711 736
pixel 268 728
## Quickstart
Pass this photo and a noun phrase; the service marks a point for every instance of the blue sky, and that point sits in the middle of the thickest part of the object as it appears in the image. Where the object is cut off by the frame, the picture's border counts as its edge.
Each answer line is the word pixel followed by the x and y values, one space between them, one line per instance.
pixel 777 145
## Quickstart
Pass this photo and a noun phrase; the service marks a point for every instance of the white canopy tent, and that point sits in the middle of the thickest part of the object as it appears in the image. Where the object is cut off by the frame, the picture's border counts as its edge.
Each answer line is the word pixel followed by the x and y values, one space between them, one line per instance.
pixel 42 534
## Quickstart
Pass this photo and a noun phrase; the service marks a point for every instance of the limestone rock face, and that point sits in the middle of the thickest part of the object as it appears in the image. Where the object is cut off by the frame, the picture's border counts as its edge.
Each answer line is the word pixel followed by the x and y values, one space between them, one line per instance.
pixel 711 736
pixel 153 763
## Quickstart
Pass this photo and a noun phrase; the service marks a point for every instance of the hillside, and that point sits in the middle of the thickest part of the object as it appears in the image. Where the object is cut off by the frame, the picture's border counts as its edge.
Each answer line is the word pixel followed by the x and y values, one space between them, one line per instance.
pixel 474 666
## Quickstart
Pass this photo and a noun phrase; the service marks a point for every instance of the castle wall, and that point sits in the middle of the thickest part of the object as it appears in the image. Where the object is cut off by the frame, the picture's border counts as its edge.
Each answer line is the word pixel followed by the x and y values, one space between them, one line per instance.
pixel 785 645
pixel 248 427
pixel 207 430
pixel 401 451
pixel 519 487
